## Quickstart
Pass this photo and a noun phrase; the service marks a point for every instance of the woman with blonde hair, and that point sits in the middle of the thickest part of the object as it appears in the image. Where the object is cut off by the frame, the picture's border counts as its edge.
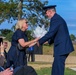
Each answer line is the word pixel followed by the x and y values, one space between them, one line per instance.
pixel 15 56
pixel 2 60
pixel 2 57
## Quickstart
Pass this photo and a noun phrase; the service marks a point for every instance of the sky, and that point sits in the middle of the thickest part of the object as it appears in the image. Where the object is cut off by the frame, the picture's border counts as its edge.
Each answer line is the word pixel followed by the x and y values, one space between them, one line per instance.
pixel 65 8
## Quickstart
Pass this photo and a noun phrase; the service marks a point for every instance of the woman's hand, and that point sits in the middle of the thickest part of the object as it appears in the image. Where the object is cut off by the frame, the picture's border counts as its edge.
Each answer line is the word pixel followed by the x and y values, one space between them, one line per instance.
pixel 6 72
pixel 2 49
pixel 36 39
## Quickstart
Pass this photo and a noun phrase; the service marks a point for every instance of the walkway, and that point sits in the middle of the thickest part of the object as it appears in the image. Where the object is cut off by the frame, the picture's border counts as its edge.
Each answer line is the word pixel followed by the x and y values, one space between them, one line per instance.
pixel 46 61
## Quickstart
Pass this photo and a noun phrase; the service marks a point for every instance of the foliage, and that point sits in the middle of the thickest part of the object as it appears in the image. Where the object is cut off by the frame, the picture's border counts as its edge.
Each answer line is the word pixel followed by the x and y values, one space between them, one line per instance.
pixel 6 33
pixel 29 35
pixel 9 36
pixel 31 9
pixel 34 12
pixel 72 37
pixel 8 11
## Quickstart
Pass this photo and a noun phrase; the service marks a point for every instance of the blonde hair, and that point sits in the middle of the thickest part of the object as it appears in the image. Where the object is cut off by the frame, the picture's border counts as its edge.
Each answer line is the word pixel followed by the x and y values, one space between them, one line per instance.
pixel 20 23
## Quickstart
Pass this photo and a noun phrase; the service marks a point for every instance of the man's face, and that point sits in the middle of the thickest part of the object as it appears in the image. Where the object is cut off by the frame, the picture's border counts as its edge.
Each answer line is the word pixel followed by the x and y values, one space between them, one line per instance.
pixel 48 14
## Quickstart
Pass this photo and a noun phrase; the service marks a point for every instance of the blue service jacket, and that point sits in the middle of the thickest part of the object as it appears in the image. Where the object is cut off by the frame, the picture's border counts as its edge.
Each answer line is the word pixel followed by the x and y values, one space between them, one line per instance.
pixel 59 35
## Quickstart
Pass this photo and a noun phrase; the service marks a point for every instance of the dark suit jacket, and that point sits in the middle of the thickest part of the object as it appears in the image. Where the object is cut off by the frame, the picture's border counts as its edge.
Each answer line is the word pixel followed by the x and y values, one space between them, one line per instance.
pixel 59 35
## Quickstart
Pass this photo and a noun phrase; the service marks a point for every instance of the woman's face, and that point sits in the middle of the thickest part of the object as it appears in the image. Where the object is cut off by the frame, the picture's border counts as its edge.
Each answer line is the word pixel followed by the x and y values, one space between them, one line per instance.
pixel 25 25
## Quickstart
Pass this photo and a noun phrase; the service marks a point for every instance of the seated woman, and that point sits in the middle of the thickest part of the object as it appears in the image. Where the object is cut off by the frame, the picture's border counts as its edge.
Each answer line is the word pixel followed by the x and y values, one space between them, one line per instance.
pixel 3 53
pixel 2 59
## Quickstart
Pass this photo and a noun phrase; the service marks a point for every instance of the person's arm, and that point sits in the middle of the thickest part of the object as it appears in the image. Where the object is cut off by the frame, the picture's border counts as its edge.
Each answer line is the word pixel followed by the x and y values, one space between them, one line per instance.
pixel 21 39
pixel 32 44
pixel 2 49
pixel 51 41
pixel 52 31
pixel 27 44
pixel 2 57
pixel 6 72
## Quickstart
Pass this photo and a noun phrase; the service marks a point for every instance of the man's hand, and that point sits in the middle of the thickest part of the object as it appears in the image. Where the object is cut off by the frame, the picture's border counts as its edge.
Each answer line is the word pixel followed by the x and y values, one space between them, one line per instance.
pixel 46 42
pixel 38 44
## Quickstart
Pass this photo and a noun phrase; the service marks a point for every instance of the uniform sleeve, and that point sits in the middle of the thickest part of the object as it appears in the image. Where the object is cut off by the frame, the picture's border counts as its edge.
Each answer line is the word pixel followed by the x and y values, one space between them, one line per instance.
pixel 52 31
pixel 51 41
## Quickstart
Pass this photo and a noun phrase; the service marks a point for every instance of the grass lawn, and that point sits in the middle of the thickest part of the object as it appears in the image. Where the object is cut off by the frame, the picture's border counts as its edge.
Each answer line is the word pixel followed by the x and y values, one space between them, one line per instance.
pixel 47 71
pixel 48 50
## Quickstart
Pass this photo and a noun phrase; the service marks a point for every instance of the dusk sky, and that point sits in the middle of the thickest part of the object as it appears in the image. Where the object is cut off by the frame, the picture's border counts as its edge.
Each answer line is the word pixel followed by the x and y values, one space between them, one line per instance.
pixel 65 8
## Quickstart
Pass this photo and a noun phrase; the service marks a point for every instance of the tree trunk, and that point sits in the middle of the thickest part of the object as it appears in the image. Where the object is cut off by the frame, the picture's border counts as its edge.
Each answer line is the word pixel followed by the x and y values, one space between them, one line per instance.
pixel 20 9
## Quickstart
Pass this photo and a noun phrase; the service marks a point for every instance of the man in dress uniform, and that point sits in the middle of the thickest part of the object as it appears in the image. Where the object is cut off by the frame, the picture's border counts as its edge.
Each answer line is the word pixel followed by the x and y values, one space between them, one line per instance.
pixel 59 35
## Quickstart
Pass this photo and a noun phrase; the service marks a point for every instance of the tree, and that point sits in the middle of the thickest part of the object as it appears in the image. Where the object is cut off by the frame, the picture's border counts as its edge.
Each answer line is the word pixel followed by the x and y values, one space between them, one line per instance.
pixel 72 37
pixel 6 33
pixel 9 36
pixel 8 11
pixel 34 12
pixel 30 9
pixel 28 32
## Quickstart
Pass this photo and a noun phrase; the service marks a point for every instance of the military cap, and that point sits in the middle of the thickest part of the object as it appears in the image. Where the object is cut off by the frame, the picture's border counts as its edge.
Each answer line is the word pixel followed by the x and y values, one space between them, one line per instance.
pixel 49 7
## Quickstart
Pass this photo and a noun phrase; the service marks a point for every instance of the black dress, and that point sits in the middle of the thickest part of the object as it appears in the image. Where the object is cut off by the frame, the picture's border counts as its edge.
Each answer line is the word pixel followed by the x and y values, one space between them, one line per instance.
pixel 17 57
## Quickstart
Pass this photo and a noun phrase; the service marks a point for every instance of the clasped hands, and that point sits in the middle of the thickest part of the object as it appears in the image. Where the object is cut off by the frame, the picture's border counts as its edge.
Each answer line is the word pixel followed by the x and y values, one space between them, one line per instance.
pixel 35 41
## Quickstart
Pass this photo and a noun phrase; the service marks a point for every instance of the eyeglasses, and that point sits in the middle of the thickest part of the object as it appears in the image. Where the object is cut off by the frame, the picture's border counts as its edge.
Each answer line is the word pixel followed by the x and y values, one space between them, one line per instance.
pixel 26 22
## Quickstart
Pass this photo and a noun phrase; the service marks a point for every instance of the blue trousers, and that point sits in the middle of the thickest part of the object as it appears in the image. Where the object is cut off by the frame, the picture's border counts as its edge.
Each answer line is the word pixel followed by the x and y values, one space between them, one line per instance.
pixel 58 66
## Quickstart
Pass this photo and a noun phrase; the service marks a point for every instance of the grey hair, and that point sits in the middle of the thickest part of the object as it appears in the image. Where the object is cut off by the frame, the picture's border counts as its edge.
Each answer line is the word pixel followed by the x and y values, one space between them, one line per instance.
pixel 53 9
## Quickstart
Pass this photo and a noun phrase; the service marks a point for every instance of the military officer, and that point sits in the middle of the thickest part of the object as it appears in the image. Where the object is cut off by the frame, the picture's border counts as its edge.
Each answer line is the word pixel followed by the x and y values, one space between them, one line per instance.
pixel 59 35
